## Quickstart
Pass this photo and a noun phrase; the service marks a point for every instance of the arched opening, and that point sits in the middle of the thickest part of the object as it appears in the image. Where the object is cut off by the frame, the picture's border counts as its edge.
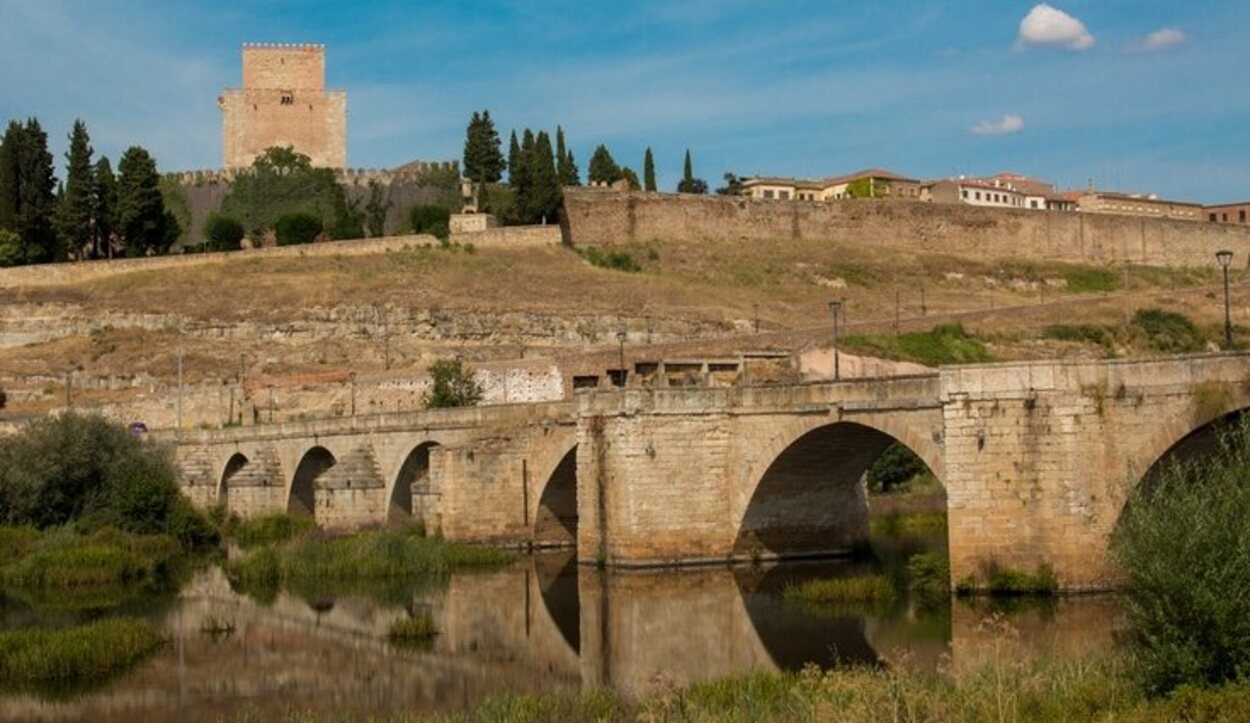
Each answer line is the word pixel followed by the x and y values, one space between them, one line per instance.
pixel 411 482
pixel 1197 445
pixel 303 497
pixel 234 465
pixel 812 500
pixel 555 522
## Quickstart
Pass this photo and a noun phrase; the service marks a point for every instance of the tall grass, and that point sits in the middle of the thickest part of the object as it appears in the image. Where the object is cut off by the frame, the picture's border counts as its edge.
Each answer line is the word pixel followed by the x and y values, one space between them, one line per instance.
pixel 78 654
pixel 269 529
pixel 415 632
pixel 859 589
pixel 63 558
pixel 945 344
pixel 1183 541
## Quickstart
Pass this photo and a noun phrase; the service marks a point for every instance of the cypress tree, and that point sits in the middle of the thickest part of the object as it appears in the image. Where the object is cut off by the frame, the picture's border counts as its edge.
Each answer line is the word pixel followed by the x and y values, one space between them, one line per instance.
pixel 687 174
pixel 73 213
pixel 566 168
pixel 514 159
pixel 103 208
pixel 36 198
pixel 523 180
pixel 483 163
pixel 9 181
pixel 141 213
pixel 603 168
pixel 648 171
pixel 545 194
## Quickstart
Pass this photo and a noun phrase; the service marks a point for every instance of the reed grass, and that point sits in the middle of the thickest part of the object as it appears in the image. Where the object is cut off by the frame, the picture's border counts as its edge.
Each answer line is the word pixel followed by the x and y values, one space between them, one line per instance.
pixel 74 655
pixel 63 558
pixel 860 589
pixel 270 529
pixel 417 632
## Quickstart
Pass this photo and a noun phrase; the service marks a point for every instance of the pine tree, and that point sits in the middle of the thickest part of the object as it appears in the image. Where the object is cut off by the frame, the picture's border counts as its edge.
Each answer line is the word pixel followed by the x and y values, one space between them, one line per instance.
pixel 648 171
pixel 103 208
pixel 545 185
pixel 36 198
pixel 141 215
pixel 483 162
pixel 73 212
pixel 628 175
pixel 566 168
pixel 603 169
pixel 514 159
pixel 9 181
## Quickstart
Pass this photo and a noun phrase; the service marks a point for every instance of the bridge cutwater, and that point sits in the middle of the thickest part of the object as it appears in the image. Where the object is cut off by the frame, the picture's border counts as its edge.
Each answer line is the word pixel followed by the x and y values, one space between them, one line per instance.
pixel 1037 459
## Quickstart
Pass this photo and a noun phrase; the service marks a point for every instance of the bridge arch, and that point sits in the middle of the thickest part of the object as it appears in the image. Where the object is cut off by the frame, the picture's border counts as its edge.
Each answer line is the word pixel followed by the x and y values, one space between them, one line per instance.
pixel 804 494
pixel 555 519
pixel 302 494
pixel 233 466
pixel 409 484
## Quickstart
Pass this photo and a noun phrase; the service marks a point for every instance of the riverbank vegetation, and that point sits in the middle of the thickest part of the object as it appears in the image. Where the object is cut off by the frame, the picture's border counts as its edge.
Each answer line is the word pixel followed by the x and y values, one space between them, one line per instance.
pixel 417 632
pixel 857 589
pixel 74 655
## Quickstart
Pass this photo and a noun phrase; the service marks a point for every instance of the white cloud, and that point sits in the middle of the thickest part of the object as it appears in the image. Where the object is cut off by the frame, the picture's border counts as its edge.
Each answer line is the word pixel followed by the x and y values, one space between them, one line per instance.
pixel 1006 125
pixel 1163 39
pixel 1046 26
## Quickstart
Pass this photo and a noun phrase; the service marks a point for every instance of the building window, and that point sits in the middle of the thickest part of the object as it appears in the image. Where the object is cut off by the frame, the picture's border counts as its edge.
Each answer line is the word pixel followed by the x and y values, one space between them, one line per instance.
pixel 1224 217
pixel 964 193
pixel 768 194
pixel 1241 215
pixel 288 98
pixel 783 195
pixel 978 195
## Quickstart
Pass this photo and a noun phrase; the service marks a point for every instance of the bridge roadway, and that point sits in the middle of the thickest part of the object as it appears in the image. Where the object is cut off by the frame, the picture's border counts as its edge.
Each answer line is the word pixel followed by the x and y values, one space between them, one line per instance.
pixel 1037 459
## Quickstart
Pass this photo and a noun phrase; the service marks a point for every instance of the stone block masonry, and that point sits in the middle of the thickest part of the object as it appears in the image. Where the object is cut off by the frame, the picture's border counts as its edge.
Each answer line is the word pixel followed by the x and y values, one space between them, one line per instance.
pixel 598 216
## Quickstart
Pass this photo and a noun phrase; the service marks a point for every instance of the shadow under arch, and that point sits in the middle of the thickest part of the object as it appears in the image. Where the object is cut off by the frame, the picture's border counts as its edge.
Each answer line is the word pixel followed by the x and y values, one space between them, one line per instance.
pixel 811 500
pixel 302 500
pixel 412 480
pixel 234 465
pixel 555 520
pixel 556 573
pixel 1200 443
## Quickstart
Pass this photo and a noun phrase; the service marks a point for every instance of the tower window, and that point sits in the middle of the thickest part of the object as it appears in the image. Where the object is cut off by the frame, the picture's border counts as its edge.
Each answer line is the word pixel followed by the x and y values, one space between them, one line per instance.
pixel 288 98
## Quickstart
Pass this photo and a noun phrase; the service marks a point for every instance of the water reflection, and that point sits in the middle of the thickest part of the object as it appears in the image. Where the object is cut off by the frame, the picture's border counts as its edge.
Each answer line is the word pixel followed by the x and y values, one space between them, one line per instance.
pixel 543 625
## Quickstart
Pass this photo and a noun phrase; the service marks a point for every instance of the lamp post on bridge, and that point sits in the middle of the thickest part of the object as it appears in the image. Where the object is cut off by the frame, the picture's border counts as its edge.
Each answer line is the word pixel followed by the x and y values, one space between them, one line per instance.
pixel 835 306
pixel 1225 257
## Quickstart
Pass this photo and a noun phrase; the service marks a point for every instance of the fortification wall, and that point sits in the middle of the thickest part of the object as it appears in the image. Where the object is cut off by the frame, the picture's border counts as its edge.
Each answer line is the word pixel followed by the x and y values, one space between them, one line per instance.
pixel 511 237
pixel 597 216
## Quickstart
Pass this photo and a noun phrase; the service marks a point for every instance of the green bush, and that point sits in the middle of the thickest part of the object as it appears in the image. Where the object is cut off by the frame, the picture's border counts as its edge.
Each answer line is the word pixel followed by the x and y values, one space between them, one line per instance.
pixel 432 220
pixel 84 653
pixel 452 385
pixel 1168 331
pixel 72 467
pixel 223 233
pixel 1081 333
pixel 1183 543
pixel 895 467
pixel 615 260
pixel 297 228
pixel 929 578
pixel 1086 280
pixel 1007 581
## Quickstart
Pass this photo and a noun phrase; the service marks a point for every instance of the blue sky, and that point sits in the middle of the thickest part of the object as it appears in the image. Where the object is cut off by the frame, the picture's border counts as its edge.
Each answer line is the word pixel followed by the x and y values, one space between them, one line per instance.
pixel 1138 94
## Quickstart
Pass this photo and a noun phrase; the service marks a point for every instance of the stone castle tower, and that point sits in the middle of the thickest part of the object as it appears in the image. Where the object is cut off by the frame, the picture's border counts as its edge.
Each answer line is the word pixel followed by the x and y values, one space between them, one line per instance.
pixel 284 102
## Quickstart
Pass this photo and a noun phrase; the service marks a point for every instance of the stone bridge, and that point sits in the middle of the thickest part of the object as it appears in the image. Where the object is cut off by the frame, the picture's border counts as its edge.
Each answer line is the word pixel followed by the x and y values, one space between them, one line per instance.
pixel 1037 460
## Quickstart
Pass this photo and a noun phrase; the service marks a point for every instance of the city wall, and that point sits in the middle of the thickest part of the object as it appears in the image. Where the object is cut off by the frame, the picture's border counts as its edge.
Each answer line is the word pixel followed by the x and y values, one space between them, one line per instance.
pixel 600 216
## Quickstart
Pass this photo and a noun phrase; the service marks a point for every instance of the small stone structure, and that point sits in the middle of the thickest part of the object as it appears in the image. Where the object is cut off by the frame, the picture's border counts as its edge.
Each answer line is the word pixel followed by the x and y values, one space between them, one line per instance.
pixel 472 222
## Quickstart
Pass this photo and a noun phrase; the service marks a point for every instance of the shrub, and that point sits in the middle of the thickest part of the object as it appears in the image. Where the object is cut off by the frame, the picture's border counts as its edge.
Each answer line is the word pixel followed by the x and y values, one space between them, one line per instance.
pixel 1007 581
pixel 1086 280
pixel 615 260
pixel 1168 331
pixel 1183 543
pixel 864 588
pixel 895 467
pixel 452 385
pixel 74 467
pixel 945 344
pixel 296 228
pixel 432 220
pixel 223 233
pixel 83 653
pixel 1081 333
pixel 929 578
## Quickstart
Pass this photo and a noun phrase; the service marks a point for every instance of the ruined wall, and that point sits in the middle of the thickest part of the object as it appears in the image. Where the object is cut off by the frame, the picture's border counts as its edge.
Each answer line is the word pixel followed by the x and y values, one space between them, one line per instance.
pixel 597 216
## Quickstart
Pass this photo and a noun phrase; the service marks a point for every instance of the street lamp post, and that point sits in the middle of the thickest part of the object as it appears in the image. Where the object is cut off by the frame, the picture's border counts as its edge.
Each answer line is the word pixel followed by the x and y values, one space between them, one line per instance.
pixel 1225 257
pixel 834 307
pixel 620 337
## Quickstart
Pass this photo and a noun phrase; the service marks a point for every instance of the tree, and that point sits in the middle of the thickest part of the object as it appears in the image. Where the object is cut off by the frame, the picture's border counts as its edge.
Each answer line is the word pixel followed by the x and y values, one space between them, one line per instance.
pixel 10 249
pixel 690 184
pixel 628 175
pixel 103 208
pixel 483 162
pixel 867 188
pixel 36 199
pixel 452 385
pixel 603 169
pixel 282 160
pixel 9 181
pixel 432 220
pixel 542 202
pixel 376 208
pixel 74 210
pixel 141 217
pixel 895 467
pixel 648 171
pixel 223 233
pixel 514 159
pixel 566 167
pixel 282 181
pixel 732 187
pixel 296 228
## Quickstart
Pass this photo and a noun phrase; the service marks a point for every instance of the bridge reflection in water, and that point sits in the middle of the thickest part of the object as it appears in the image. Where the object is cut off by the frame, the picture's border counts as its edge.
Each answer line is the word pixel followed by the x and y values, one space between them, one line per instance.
pixel 543 625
